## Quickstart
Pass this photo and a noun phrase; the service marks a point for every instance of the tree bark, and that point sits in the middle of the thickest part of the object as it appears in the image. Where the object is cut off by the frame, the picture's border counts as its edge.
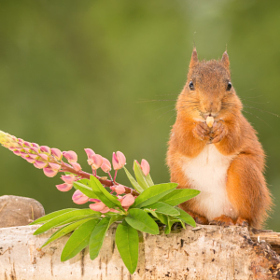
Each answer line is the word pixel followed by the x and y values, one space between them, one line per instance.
pixel 204 252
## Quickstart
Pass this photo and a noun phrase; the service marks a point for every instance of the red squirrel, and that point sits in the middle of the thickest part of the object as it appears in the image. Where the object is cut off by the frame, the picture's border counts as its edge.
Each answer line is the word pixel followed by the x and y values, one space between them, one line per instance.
pixel 224 159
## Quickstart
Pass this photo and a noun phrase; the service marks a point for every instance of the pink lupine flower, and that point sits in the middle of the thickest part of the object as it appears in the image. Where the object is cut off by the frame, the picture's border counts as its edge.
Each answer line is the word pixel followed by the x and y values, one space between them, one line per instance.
pixel 69 178
pixel 45 149
pixel 127 200
pixel 105 210
pixel 30 160
pixel 64 187
pixel 90 153
pixel 49 172
pixel 79 198
pixel 76 166
pixel 56 153
pixel 145 167
pixel 119 189
pixel 118 160
pixel 94 200
pixel 54 166
pixel 106 165
pixel 97 206
pixel 71 156
pixel 97 161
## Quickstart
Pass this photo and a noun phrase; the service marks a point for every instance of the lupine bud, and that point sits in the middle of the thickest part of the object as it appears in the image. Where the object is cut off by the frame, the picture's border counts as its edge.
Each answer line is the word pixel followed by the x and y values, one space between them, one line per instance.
pixel 49 172
pixel 56 153
pixel 106 165
pixel 33 156
pixel 79 198
pixel 118 160
pixel 127 200
pixel 145 167
pixel 71 156
pixel 64 187
pixel 45 149
pixel 44 156
pixel 40 164
pixel 119 189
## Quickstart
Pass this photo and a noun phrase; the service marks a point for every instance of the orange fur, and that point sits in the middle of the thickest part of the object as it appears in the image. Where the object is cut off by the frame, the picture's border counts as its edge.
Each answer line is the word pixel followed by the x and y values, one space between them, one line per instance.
pixel 231 134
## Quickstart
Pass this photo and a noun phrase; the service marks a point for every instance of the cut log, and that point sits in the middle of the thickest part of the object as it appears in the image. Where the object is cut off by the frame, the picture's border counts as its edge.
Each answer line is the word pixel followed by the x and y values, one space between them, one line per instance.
pixel 204 252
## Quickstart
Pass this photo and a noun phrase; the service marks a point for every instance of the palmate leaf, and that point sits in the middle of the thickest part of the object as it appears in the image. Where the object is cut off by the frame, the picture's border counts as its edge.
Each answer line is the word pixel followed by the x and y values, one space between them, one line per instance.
pixel 141 221
pixel 153 194
pixel 127 241
pixel 78 240
pixel 52 215
pixel 133 182
pixel 179 196
pixel 65 230
pixel 67 218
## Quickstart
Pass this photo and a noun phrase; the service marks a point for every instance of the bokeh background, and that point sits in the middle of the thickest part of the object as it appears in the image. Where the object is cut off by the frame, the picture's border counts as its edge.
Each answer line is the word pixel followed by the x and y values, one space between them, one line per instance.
pixel 106 74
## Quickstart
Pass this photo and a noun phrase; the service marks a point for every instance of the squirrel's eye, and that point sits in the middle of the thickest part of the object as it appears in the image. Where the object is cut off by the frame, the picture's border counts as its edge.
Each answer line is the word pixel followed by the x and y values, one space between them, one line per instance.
pixel 191 86
pixel 229 86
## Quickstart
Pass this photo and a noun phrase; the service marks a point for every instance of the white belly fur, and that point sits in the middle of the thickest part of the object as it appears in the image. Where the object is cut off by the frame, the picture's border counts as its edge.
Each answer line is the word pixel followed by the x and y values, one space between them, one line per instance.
pixel 208 173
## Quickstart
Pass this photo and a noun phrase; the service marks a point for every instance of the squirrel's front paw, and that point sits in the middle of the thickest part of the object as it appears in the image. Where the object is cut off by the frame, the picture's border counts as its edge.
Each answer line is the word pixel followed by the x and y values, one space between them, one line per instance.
pixel 201 131
pixel 219 131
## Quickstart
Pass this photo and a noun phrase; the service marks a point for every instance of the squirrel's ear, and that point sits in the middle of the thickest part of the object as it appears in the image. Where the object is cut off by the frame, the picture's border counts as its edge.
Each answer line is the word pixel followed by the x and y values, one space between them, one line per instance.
pixel 194 59
pixel 225 59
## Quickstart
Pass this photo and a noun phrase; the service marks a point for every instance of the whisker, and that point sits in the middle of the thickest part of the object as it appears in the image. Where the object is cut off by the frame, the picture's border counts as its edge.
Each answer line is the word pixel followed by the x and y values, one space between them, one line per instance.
pixel 261 110
pixel 257 118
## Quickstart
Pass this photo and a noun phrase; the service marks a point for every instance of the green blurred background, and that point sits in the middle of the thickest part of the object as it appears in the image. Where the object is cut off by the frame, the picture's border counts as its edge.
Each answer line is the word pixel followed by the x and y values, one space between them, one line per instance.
pixel 106 74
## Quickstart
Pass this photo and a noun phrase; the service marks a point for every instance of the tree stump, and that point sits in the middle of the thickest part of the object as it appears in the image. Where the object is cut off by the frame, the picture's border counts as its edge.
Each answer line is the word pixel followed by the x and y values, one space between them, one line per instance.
pixel 204 252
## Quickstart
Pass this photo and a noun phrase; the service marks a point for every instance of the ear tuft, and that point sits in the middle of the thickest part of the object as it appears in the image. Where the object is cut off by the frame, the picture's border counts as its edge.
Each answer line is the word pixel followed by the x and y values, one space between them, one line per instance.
pixel 225 59
pixel 194 59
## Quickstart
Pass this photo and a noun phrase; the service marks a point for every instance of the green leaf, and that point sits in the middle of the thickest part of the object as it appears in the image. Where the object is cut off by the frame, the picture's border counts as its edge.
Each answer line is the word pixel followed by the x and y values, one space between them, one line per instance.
pixel 168 226
pixel 65 230
pixel 67 218
pixel 185 217
pixel 140 177
pixel 158 216
pixel 141 221
pixel 179 196
pixel 127 241
pixel 102 194
pixel 163 208
pixel 78 240
pixel 85 189
pixel 133 182
pixel 153 194
pixel 97 237
pixel 51 216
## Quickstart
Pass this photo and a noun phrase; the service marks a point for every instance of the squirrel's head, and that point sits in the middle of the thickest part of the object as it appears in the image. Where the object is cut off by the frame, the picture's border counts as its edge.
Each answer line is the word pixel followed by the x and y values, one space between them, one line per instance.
pixel 209 91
